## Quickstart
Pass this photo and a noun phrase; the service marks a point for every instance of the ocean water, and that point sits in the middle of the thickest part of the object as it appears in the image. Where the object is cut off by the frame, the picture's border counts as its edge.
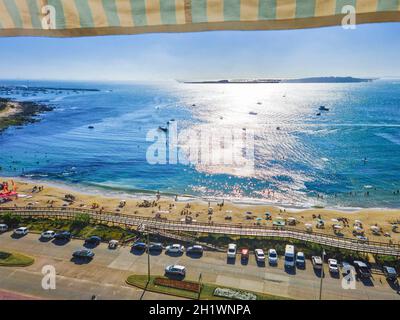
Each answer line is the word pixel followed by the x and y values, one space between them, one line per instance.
pixel 310 161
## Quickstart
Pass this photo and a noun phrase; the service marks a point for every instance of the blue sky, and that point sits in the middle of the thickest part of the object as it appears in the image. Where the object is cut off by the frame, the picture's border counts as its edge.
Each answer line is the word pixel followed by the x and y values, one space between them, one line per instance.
pixel 369 51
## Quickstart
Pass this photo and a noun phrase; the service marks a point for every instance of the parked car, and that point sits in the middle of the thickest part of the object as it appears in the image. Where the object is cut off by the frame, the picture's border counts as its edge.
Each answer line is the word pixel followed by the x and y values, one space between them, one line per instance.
pixel 153 246
pixel 362 269
pixel 141 246
pixel 175 270
pixel 289 256
pixel 346 268
pixel 317 262
pixel 272 257
pixel 175 248
pixel 65 235
pixel 95 240
pixel 244 254
pixel 49 234
pixel 113 244
pixel 300 259
pixel 21 231
pixel 333 266
pixel 196 249
pixel 390 273
pixel 83 254
pixel 260 256
pixel 231 253
pixel 3 227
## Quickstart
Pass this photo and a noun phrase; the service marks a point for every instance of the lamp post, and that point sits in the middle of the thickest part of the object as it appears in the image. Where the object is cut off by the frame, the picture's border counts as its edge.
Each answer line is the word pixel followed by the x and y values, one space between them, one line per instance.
pixel 200 278
pixel 322 274
pixel 147 233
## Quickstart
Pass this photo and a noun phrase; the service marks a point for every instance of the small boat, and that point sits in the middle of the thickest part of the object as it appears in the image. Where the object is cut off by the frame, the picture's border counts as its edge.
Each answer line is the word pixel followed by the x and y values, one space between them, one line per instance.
pixel 319 113
pixel 163 129
pixel 259 102
pixel 323 108
pixel 278 128
pixel 90 127
pixel 253 113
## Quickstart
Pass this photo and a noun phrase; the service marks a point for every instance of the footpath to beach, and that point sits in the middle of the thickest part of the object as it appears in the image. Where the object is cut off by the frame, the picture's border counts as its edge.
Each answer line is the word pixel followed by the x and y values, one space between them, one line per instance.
pixel 152 224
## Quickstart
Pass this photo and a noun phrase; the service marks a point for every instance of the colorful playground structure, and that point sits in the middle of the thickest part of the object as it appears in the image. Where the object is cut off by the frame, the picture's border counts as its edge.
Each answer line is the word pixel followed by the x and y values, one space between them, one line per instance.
pixel 6 192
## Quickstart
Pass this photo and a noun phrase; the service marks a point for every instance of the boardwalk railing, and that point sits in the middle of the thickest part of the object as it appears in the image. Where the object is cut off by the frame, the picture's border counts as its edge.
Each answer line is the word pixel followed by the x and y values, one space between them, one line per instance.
pixel 217 228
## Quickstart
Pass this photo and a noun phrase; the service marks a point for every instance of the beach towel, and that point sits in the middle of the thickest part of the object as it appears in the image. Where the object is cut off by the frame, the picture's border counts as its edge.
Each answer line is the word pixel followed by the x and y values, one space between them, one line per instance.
pixel 72 18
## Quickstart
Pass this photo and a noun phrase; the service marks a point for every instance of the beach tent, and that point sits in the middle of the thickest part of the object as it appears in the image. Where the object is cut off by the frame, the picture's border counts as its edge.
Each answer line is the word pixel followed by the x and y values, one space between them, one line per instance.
pixel 71 18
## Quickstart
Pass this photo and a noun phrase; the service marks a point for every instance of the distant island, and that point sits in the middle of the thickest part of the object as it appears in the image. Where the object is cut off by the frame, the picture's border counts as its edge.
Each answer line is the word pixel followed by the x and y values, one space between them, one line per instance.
pixel 300 80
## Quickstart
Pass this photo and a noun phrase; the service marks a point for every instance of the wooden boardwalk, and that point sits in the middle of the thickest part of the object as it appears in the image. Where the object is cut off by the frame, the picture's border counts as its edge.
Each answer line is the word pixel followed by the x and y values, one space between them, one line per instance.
pixel 133 221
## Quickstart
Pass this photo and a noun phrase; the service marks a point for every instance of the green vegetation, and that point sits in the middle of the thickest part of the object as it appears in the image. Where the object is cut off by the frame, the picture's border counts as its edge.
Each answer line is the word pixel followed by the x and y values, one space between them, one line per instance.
pixel 279 244
pixel 207 292
pixel 26 115
pixel 13 259
pixel 79 227
pixel 10 219
pixel 388 261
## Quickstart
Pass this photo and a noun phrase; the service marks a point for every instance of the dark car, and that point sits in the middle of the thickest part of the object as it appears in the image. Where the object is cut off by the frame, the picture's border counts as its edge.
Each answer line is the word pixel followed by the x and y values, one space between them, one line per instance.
pixel 95 240
pixel 65 235
pixel 196 249
pixel 155 246
pixel 362 269
pixel 83 254
pixel 390 273
pixel 139 246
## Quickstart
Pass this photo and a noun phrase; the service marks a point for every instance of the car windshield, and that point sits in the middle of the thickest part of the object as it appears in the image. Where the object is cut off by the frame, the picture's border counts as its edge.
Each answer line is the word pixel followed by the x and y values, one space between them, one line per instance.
pixel 231 250
pixel 289 258
pixel 300 258
pixel 272 254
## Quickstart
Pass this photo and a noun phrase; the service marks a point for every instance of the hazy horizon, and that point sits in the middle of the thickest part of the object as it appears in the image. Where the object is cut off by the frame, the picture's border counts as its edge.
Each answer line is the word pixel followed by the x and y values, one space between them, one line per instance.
pixel 369 51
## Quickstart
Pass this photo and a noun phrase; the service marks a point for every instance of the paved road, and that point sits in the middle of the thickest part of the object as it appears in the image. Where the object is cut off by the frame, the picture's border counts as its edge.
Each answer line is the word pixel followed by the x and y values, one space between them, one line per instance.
pixel 105 275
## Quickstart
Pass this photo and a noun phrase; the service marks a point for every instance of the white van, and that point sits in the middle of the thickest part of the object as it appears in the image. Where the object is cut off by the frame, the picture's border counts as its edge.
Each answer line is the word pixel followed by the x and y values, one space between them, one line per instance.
pixel 3 227
pixel 289 256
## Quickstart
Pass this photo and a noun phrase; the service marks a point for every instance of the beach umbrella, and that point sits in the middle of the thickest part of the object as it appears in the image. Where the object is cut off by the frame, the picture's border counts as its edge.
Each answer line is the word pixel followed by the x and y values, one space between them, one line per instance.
pixel 268 214
pixel 292 219
pixel 308 225
pixel 335 220
pixel 337 227
pixel 279 218
pixel 374 228
pixel 358 221
pixel 258 219
pixel 358 229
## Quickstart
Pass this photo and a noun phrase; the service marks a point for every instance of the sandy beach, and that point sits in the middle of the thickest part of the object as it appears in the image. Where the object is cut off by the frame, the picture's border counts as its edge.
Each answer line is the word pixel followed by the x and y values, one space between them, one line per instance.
pixel 177 209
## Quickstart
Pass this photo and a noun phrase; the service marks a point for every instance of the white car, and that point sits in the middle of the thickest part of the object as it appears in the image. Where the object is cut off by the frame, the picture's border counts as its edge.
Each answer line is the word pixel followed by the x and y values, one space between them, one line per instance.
pixel 49 234
pixel 231 253
pixel 176 270
pixel 333 266
pixel 317 262
pixel 3 227
pixel 300 259
pixel 260 256
pixel 21 231
pixel 272 256
pixel 175 248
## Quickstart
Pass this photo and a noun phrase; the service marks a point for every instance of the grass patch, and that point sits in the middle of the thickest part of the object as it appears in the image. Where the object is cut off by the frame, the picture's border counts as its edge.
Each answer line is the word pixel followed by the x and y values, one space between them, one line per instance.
pixel 207 292
pixel 13 259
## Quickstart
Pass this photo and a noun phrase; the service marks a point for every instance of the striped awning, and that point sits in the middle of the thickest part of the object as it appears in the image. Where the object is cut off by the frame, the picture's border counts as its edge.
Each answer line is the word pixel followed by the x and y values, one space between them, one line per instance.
pixel 101 17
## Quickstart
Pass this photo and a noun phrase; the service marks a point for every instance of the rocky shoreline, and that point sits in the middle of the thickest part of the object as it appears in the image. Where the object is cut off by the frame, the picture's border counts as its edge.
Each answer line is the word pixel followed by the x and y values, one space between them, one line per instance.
pixel 18 113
